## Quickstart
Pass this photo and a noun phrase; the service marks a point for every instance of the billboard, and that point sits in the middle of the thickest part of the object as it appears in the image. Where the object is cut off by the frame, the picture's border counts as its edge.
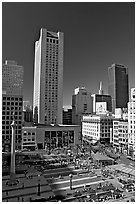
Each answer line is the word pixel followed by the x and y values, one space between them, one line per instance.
pixel 101 107
pixel 133 94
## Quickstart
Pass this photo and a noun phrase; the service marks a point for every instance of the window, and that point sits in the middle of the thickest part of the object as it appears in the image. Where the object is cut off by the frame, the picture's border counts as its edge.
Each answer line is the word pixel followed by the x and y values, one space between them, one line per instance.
pixel 85 107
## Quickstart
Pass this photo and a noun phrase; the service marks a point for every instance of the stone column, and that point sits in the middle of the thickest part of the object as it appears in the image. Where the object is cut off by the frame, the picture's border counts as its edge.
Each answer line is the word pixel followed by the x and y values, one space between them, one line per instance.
pixel 12 166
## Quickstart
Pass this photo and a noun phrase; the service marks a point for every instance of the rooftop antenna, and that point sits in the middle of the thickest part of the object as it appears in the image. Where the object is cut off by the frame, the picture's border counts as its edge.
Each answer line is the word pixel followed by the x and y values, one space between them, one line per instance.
pixel 100 88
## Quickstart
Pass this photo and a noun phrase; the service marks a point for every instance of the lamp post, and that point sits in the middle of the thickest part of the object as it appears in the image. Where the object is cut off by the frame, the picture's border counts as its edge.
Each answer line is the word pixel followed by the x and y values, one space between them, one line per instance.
pixel 70 176
pixel 38 193
pixel 112 193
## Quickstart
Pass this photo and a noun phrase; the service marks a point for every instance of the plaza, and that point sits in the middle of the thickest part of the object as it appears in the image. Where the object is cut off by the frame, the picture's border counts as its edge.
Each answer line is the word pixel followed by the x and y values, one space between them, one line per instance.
pixel 47 178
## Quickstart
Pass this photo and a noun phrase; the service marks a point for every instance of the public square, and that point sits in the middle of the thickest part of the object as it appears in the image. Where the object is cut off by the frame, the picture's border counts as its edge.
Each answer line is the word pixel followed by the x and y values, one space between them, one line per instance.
pixel 68 101
pixel 73 177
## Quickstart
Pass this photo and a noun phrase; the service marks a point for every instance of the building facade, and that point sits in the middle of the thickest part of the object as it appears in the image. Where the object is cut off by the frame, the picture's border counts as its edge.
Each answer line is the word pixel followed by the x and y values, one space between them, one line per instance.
pixel 102 98
pixel 12 101
pixel 131 124
pixel 97 128
pixel 48 78
pixel 27 112
pixel 118 86
pixel 120 135
pixel 81 104
pixel 51 137
pixel 29 138
pixel 67 116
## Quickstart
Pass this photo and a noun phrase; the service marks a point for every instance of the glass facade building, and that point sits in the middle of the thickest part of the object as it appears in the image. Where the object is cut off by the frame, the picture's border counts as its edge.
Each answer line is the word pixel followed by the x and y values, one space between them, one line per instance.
pixel 118 85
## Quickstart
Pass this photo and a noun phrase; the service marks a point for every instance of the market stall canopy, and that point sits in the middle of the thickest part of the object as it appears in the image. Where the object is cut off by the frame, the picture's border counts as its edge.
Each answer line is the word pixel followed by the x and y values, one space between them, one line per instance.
pixel 112 155
pixel 100 157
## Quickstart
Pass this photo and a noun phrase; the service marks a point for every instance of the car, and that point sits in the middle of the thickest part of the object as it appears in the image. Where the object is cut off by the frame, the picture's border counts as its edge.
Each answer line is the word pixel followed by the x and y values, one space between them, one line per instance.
pixel 129 157
pixel 129 190
pixel 77 193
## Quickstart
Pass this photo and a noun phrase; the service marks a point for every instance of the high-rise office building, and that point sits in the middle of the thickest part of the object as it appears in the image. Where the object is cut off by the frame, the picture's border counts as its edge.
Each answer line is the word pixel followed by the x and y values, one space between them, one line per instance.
pixel 48 77
pixel 67 116
pixel 118 85
pixel 12 101
pixel 81 104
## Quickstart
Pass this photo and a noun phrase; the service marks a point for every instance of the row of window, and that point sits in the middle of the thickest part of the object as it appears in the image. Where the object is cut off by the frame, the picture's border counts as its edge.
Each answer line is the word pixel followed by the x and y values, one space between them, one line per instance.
pixel 28 139
pixel 51 53
pixel 29 133
pixel 12 99
pixel 7 117
pixel 49 56
pixel 124 131
pixel 50 40
pixel 10 121
pixel 12 104
pixel 97 122
pixel 90 133
pixel 7 130
pixel 4 113
pixel 9 137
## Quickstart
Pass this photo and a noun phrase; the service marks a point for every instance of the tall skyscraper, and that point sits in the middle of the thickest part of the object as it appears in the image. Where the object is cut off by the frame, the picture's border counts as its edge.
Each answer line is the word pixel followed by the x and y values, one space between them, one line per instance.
pixel 12 101
pixel 81 104
pixel 118 85
pixel 48 77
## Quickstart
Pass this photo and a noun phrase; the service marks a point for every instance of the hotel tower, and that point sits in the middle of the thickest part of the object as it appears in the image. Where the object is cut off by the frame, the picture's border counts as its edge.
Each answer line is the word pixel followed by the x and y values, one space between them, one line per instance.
pixel 48 78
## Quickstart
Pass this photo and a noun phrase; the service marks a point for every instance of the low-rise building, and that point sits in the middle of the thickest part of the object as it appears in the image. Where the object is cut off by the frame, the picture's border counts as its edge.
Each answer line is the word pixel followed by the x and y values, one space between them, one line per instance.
pixel 120 135
pixel 97 128
pixel 131 124
pixel 29 138
pixel 50 137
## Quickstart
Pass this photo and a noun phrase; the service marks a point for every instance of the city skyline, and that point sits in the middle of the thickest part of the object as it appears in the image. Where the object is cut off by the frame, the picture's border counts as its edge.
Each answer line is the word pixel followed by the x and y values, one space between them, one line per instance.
pixel 96 35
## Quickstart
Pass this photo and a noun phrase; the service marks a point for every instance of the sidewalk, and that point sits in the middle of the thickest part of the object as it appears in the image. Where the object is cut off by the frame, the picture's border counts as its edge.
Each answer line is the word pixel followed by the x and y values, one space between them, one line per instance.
pixel 26 188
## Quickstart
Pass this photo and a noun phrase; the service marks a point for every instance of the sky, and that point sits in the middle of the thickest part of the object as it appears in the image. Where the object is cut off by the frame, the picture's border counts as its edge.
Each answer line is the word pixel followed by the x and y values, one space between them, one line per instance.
pixel 96 35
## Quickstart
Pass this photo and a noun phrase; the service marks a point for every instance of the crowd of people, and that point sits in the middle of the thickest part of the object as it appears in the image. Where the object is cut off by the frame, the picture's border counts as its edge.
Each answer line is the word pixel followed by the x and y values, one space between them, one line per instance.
pixel 80 157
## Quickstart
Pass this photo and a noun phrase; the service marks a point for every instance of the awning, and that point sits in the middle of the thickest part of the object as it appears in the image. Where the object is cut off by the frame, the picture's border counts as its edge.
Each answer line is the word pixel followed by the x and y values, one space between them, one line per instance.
pixel 100 157
pixel 112 155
